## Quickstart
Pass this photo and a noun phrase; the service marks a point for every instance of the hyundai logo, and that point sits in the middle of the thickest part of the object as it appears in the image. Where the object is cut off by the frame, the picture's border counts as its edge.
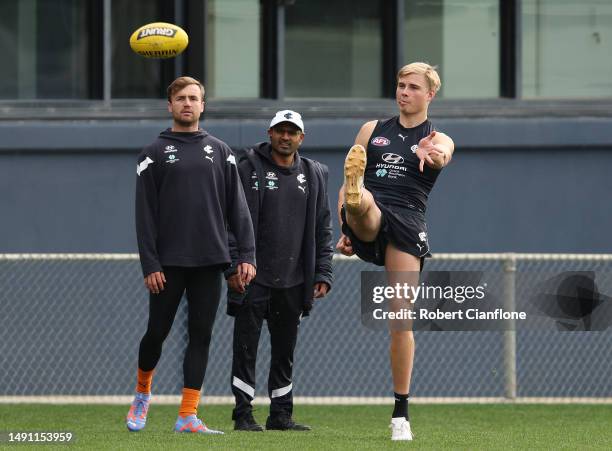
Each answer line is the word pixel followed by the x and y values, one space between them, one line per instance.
pixel 393 158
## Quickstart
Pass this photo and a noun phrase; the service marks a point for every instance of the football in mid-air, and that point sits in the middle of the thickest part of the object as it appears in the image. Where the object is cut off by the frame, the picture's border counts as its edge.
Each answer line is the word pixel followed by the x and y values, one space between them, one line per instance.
pixel 159 40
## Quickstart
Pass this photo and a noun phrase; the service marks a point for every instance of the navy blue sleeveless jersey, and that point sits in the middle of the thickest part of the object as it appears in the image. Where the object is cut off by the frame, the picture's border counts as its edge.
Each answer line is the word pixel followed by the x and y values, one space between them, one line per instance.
pixel 392 173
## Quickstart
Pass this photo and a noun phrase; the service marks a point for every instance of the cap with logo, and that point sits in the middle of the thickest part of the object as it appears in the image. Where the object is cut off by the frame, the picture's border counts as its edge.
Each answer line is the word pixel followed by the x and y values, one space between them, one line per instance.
pixel 287 116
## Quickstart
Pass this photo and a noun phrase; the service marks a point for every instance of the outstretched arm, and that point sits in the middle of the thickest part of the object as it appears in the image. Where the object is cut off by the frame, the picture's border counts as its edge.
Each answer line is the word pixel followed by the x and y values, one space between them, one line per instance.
pixel 435 150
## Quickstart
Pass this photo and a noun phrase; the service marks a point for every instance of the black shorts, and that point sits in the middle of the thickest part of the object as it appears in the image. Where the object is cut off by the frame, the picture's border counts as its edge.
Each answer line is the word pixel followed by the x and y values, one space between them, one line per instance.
pixel 404 228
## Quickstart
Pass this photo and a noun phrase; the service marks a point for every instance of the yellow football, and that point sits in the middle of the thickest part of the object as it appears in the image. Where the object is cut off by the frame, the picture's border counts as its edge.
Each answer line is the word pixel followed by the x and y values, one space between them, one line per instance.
pixel 159 40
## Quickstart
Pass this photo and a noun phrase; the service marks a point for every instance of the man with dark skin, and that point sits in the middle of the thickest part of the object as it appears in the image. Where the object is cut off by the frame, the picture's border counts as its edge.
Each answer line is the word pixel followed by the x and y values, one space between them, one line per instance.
pixel 287 197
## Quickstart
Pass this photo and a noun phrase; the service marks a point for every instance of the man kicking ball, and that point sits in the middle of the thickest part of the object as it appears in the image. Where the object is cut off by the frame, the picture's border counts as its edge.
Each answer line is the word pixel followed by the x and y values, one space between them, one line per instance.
pixel 388 175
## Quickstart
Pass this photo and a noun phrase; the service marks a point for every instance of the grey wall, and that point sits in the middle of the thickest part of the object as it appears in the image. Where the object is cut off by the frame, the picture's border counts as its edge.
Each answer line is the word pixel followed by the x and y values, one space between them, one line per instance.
pixel 527 185
pixel 523 200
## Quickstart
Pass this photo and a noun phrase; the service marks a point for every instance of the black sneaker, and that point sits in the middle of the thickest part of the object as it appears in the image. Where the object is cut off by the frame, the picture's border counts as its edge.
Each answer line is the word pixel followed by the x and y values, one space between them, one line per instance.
pixel 246 422
pixel 285 423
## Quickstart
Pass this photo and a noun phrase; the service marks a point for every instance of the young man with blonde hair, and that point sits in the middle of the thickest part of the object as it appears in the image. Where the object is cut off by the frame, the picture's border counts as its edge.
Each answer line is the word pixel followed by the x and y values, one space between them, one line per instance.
pixel 388 175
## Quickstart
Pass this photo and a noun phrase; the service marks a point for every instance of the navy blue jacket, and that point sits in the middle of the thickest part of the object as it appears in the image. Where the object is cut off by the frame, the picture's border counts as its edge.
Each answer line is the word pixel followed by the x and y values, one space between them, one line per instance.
pixel 187 190
pixel 317 247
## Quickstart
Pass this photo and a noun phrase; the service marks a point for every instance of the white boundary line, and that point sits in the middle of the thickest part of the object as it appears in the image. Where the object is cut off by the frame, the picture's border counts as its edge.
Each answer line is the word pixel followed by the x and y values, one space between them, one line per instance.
pixel 304 400
pixel 69 257
pixel 339 257
pixel 506 256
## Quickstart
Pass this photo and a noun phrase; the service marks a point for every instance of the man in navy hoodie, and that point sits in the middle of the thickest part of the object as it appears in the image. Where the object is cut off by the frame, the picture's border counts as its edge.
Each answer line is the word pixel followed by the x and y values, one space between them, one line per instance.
pixel 187 189
pixel 287 198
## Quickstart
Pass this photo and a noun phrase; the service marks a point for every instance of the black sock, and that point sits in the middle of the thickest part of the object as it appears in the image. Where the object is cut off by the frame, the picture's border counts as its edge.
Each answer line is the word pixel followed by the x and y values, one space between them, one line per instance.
pixel 401 406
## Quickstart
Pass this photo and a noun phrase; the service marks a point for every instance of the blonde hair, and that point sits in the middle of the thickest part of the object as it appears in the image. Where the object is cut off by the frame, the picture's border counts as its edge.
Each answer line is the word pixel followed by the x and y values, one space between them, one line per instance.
pixel 180 83
pixel 430 73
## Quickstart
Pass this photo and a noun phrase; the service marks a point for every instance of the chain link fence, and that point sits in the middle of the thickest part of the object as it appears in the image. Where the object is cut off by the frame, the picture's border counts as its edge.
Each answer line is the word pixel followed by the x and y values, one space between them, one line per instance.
pixel 70 325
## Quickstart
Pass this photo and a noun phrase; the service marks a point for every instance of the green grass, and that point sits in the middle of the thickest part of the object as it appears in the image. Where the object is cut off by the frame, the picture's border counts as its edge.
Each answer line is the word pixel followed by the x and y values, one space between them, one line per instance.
pixel 437 427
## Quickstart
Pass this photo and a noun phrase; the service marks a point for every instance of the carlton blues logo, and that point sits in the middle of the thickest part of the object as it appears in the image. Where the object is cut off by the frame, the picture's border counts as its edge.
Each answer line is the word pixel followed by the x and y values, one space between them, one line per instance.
pixel 380 141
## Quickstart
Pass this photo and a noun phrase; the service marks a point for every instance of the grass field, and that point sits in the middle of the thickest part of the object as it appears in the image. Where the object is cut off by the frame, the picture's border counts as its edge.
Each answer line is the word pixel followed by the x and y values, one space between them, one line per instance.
pixel 334 427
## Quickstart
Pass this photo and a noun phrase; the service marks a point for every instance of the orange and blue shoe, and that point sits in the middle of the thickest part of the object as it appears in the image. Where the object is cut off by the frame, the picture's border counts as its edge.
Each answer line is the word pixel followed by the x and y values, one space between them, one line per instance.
pixel 137 416
pixel 191 423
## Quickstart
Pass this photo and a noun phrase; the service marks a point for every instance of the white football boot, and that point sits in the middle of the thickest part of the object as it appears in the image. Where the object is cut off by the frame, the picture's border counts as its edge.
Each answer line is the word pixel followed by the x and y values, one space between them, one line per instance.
pixel 400 429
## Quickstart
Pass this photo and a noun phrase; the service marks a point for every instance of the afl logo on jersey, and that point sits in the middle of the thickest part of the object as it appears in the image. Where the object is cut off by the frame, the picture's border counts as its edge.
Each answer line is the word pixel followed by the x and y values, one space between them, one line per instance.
pixel 380 141
pixel 393 158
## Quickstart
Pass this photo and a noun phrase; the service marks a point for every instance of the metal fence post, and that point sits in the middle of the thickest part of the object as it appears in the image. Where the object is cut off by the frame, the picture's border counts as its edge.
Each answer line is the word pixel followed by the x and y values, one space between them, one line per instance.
pixel 510 332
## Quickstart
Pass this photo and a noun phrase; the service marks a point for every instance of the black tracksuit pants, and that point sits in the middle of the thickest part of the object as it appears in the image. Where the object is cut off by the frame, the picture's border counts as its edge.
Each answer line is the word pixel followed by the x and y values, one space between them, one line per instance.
pixel 282 308
pixel 203 288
